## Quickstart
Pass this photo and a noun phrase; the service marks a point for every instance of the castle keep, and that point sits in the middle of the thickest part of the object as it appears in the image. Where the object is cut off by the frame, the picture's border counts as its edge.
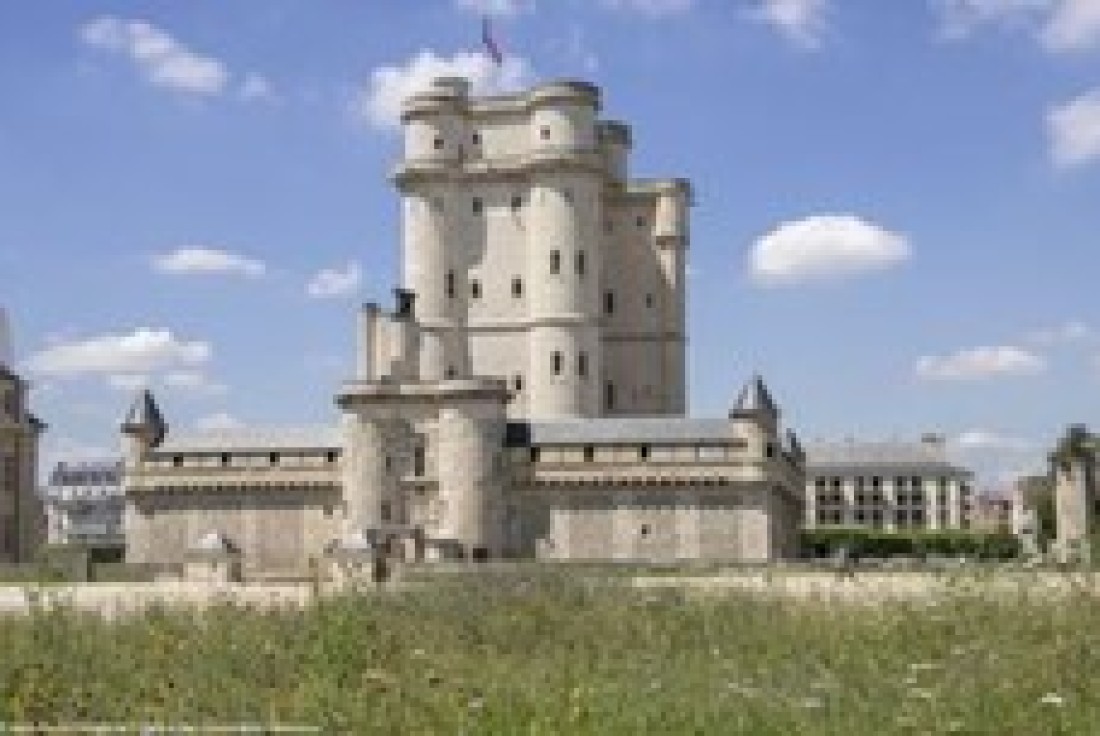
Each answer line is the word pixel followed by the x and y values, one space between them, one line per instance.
pixel 524 397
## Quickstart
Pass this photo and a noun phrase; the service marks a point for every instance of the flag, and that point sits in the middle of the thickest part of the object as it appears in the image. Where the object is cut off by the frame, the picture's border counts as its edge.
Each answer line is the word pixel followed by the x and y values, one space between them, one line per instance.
pixel 490 43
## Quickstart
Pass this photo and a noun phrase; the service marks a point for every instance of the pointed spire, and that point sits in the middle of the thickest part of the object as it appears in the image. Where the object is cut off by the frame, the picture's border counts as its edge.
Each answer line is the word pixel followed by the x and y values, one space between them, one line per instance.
pixel 754 399
pixel 144 418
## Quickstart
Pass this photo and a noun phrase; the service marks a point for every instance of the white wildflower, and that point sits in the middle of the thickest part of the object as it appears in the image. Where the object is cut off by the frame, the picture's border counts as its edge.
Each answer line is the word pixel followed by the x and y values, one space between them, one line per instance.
pixel 1052 699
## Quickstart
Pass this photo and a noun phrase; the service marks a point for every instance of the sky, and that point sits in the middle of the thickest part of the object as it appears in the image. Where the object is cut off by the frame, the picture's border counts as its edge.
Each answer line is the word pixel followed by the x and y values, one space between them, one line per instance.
pixel 897 217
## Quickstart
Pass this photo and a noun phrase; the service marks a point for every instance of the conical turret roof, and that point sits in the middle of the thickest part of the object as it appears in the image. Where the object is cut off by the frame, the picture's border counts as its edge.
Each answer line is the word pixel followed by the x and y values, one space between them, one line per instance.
pixel 755 399
pixel 144 416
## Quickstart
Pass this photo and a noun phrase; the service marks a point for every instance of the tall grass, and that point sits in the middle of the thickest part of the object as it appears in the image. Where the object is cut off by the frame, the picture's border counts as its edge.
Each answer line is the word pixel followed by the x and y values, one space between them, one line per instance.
pixel 543 655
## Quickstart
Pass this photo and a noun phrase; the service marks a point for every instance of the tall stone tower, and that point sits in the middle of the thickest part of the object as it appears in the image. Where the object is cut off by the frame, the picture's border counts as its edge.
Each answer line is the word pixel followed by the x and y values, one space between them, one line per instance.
pixel 22 518
pixel 535 259
pixel 1074 466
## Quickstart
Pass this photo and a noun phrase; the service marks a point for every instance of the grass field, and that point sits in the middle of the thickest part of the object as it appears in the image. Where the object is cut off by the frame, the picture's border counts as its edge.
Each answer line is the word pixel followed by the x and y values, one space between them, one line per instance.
pixel 548 656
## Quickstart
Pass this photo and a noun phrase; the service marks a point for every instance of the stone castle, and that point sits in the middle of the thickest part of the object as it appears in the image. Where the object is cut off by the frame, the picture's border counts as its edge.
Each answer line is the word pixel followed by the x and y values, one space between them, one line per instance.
pixel 525 397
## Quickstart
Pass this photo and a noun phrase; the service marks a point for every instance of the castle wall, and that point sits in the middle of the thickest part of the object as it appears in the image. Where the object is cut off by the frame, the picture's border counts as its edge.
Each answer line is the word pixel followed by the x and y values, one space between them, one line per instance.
pixel 645 523
pixel 276 530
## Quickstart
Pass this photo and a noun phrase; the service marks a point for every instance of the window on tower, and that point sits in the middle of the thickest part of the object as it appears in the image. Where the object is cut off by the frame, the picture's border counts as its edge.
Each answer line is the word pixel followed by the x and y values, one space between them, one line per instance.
pixel 544 133
pixel 557 359
pixel 609 302
pixel 475 289
pixel 580 263
pixel 479 205
pixel 517 287
pixel 609 395
pixel 517 202
pixel 555 261
pixel 437 144
pixel 517 382
pixel 451 284
pixel 476 139
pixel 582 364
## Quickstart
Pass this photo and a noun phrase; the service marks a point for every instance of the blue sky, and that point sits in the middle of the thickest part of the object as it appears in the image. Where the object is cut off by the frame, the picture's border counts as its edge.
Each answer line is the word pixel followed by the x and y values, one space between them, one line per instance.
pixel 897 219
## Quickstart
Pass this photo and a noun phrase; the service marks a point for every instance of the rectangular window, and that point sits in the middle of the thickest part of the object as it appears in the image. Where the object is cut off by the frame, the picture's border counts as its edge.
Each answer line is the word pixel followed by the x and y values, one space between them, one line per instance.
pixel 517 202
pixel 437 144
pixel 478 205
pixel 649 301
pixel 419 461
pixel 450 284
pixel 609 395
pixel 475 289
pixel 476 139
pixel 517 382
pixel 273 458
pixel 643 452
pixel 557 359
pixel 534 454
pixel 582 364
pixel 544 133
pixel 609 302
pixel 555 261
pixel 580 263
pixel 517 287
pixel 385 511
pixel 589 453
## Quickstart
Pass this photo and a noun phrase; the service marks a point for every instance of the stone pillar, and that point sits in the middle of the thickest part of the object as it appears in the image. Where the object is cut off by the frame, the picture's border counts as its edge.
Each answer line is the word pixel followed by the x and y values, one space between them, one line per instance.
pixel 364 471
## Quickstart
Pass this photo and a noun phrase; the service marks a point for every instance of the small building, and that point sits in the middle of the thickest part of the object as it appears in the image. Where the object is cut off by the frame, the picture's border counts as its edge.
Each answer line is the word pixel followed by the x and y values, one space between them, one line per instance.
pixel 887 485
pixel 85 504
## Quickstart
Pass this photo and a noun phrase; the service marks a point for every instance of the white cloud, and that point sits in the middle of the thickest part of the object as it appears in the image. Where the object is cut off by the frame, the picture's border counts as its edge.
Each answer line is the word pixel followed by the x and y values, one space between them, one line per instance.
pixel 194 260
pixel 56 449
pixel 128 382
pixel 335 282
pixel 1067 333
pixel 973 364
pixel 802 22
pixel 195 382
pixel 1059 25
pixel 257 87
pixel 497 8
pixel 142 351
pixel 651 8
pixel 162 60
pixel 989 440
pixel 824 248
pixel 217 422
pixel 1073 26
pixel 1074 131
pixel 379 102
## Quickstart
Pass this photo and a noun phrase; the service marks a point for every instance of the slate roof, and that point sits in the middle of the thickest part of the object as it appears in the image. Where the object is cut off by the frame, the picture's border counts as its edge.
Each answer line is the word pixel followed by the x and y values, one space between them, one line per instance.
pixel 625 430
pixel 321 437
pixel 144 413
pixel 754 398
pixel 887 456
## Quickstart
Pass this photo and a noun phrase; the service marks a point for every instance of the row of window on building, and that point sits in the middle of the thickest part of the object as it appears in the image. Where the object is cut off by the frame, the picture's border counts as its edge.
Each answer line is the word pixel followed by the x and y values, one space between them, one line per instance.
pixel 226 459
pixel 877 518
pixel 451 284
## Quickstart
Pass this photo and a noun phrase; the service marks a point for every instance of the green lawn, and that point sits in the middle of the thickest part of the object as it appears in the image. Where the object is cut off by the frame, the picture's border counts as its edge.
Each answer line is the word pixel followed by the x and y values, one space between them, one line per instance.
pixel 542 656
